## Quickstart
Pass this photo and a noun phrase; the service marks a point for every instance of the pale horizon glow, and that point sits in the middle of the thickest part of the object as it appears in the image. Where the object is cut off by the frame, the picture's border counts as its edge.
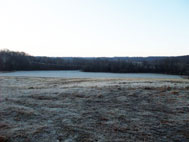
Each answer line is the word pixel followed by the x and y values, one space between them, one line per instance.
pixel 95 28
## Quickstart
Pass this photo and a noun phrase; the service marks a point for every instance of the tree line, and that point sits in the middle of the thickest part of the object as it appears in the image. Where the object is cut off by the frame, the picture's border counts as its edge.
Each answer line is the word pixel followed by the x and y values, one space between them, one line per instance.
pixel 12 61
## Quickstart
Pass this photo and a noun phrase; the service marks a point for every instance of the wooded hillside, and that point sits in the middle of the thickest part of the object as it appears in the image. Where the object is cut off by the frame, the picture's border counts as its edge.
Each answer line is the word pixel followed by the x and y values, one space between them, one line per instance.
pixel 11 61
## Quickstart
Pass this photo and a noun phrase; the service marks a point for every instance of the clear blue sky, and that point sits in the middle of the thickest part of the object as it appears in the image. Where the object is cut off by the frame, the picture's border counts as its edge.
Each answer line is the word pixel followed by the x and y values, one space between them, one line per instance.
pixel 95 27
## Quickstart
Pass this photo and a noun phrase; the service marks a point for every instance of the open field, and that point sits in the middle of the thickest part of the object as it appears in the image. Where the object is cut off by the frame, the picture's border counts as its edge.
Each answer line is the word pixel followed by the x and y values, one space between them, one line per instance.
pixel 89 110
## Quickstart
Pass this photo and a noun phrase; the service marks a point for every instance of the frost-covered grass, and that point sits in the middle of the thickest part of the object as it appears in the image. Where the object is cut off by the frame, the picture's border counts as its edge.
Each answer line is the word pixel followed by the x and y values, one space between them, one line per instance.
pixel 87 110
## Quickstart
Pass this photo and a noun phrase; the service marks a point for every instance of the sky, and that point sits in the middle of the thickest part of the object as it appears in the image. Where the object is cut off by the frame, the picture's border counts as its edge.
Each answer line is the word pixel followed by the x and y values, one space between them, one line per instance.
pixel 95 28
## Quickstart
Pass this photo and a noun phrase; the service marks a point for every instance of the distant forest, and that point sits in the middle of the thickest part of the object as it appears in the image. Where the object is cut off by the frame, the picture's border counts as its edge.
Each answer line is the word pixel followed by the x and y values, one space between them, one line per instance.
pixel 13 61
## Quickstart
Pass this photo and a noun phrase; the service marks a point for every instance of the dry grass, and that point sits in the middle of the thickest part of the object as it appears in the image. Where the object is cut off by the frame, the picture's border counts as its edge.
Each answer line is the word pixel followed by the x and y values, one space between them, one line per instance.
pixel 89 110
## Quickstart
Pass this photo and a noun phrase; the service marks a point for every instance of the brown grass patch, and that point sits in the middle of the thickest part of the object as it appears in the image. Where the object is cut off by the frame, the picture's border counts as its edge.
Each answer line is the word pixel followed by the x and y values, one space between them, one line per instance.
pixel 174 92
pixel 149 88
pixel 185 133
pixel 3 139
pixel 3 126
pixel 187 87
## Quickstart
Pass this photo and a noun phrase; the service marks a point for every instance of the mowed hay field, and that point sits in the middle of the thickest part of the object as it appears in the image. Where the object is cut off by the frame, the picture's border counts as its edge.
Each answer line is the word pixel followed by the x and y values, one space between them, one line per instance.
pixel 93 110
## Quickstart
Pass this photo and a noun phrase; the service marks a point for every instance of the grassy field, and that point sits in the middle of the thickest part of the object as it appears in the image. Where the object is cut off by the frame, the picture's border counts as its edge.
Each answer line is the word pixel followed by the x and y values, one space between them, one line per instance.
pixel 93 110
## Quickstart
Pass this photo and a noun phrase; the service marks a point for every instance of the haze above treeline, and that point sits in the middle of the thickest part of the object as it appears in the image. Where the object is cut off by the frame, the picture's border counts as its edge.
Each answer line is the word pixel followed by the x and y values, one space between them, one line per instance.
pixel 17 61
